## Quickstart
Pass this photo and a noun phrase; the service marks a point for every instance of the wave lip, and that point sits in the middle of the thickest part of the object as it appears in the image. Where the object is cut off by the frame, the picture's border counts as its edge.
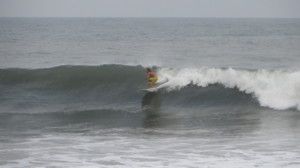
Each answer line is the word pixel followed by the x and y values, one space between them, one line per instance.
pixel 277 89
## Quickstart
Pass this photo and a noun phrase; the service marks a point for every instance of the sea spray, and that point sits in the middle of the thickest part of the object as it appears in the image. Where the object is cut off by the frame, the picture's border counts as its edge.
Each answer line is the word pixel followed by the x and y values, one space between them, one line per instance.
pixel 277 89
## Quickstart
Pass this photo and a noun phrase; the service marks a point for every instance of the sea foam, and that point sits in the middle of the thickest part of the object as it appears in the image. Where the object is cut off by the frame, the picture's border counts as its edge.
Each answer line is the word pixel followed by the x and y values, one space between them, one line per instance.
pixel 276 89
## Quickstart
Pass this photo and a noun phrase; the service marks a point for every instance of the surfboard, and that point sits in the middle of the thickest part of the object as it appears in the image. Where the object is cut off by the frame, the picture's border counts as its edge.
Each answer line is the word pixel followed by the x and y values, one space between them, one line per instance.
pixel 153 89
pixel 157 87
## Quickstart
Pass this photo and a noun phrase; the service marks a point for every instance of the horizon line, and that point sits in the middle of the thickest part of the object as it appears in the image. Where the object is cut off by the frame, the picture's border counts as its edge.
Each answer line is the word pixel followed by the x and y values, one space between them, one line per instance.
pixel 145 17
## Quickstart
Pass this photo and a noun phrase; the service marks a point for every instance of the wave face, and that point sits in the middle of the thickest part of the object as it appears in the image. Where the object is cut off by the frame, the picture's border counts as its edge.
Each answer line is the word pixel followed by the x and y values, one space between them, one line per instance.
pixel 69 88
pixel 118 87
pixel 276 89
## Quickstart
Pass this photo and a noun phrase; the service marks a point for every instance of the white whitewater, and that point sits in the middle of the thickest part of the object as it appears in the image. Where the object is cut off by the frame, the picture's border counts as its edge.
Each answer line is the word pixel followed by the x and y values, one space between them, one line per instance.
pixel 276 89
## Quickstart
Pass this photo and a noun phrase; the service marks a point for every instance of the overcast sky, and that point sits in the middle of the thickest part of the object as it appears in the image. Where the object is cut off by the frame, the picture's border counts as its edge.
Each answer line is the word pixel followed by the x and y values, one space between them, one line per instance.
pixel 150 8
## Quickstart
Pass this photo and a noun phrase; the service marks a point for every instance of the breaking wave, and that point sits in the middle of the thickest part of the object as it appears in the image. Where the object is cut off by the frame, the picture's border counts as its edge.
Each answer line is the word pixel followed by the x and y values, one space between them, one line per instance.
pixel 73 88
pixel 273 88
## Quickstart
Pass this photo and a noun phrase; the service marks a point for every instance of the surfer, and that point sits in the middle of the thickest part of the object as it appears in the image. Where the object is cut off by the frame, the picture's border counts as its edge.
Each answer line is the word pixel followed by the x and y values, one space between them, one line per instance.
pixel 151 77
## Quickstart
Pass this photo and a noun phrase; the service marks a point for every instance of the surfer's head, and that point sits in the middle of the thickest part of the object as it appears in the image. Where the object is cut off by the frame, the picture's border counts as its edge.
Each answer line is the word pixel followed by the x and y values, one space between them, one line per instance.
pixel 148 69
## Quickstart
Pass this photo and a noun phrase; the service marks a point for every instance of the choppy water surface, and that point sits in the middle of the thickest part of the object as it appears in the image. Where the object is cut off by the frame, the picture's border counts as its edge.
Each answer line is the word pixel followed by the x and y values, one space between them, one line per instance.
pixel 232 98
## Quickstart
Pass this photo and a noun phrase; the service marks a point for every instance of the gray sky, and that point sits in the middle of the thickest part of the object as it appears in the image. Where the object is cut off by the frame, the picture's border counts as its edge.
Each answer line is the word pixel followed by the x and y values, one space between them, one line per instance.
pixel 150 8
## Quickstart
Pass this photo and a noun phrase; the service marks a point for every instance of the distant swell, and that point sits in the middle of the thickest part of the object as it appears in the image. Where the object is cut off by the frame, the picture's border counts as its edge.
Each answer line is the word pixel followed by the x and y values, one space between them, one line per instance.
pixel 81 88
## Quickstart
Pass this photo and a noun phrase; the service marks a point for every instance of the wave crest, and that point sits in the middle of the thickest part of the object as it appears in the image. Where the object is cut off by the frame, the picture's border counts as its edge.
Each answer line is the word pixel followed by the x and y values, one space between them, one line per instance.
pixel 276 89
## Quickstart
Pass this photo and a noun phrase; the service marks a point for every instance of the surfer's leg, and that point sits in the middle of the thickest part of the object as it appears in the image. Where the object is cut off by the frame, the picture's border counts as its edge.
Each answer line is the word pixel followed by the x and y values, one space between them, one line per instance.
pixel 151 84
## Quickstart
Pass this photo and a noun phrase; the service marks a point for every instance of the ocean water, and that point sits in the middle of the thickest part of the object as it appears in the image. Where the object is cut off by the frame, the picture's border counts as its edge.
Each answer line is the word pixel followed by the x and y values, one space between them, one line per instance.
pixel 70 92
